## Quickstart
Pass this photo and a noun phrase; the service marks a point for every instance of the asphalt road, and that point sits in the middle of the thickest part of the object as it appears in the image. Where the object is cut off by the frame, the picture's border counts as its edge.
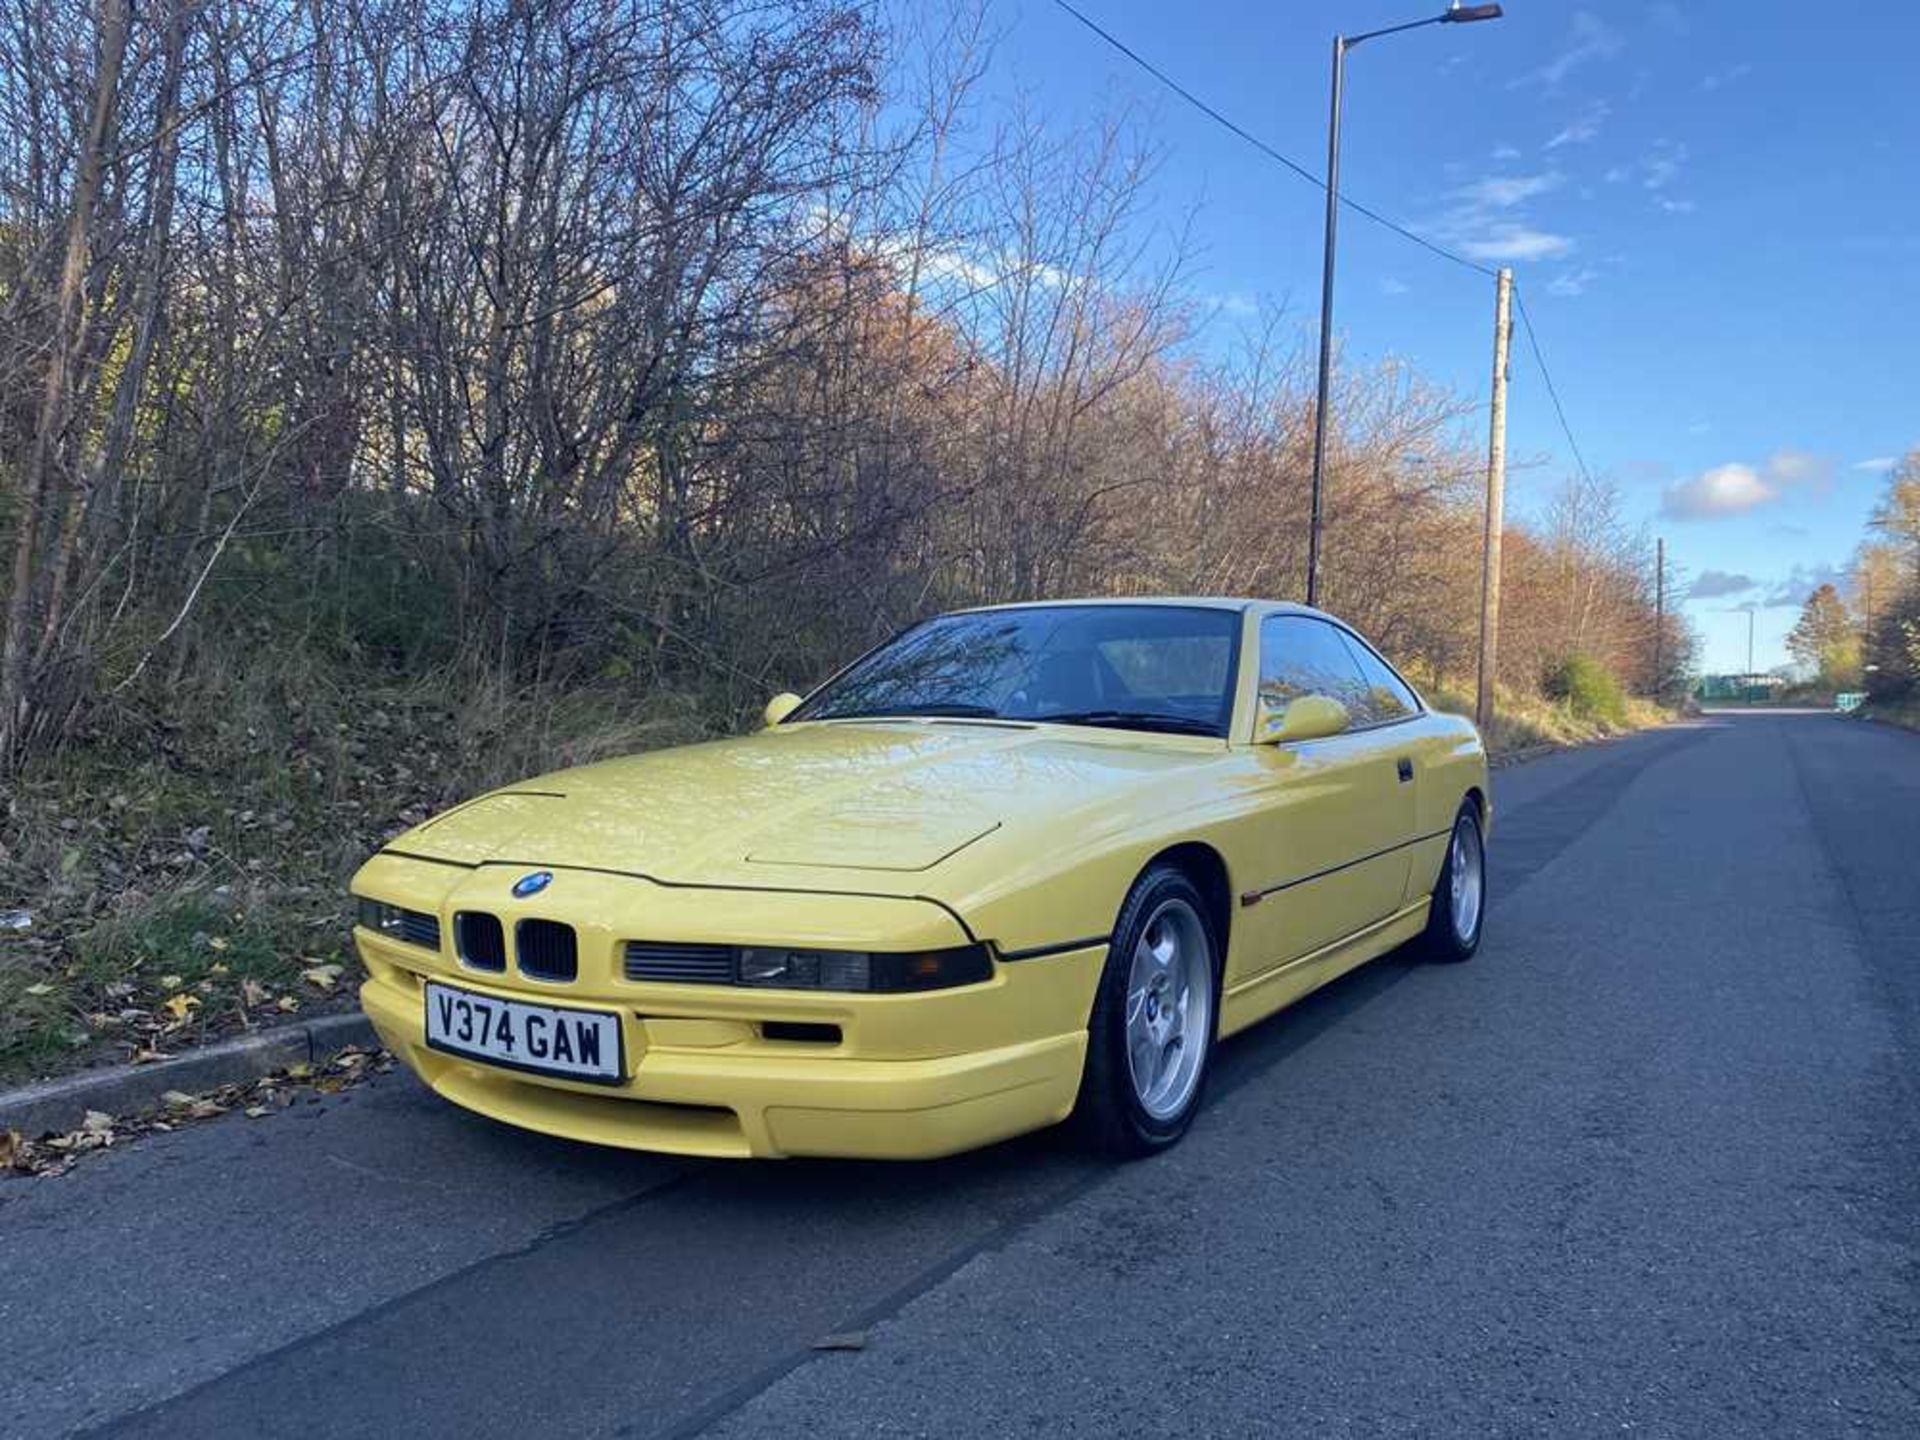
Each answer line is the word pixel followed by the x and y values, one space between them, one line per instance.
pixel 1650 1164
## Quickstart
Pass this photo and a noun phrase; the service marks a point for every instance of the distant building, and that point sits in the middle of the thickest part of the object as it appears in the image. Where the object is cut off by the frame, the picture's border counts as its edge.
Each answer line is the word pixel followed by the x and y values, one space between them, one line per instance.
pixel 1738 689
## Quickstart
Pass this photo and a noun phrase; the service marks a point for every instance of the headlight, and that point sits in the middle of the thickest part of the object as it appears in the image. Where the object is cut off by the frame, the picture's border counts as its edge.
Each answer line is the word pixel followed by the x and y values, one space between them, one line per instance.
pixel 861 970
pixel 412 927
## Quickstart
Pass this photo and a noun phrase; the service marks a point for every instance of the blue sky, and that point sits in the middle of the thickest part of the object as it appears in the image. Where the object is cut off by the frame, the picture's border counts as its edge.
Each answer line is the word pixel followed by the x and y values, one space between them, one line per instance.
pixel 1713 208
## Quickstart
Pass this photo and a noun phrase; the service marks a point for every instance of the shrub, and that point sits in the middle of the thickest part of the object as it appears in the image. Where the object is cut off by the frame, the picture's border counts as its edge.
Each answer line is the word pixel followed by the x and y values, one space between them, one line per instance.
pixel 1587 689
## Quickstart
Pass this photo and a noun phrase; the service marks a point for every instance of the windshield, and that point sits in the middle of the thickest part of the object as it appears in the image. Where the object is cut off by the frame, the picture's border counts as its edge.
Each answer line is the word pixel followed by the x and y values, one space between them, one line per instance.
pixel 1140 667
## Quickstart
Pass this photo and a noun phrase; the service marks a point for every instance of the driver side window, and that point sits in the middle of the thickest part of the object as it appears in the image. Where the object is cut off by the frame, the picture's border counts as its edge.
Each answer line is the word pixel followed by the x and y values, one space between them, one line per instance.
pixel 1303 656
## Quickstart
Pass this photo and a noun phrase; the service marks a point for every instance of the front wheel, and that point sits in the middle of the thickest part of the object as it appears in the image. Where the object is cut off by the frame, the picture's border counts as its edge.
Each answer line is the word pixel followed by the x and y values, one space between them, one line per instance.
pixel 1459 909
pixel 1152 1031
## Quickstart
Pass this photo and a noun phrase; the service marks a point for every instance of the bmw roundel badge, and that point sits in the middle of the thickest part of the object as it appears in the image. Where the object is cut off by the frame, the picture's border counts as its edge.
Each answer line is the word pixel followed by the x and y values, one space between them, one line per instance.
pixel 532 884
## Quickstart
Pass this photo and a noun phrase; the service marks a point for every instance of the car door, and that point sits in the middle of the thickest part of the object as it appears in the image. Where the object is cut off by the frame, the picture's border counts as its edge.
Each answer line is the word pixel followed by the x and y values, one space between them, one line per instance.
pixel 1335 813
pixel 1392 713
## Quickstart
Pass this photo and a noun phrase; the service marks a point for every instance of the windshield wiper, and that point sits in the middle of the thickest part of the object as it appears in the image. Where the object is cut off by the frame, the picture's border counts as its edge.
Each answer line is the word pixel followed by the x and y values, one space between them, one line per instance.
pixel 1131 720
pixel 939 711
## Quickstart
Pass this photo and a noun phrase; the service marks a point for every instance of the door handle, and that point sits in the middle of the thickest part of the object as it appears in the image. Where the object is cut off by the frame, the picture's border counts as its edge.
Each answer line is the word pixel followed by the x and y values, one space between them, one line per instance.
pixel 1406 769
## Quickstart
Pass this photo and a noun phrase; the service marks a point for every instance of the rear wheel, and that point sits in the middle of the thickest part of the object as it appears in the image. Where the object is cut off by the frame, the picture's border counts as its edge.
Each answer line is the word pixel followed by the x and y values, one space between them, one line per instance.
pixel 1151 1034
pixel 1459 909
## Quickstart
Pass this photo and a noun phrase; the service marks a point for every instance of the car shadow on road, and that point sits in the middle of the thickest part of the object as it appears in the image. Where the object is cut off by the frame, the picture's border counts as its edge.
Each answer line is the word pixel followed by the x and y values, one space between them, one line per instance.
pixel 1014 1172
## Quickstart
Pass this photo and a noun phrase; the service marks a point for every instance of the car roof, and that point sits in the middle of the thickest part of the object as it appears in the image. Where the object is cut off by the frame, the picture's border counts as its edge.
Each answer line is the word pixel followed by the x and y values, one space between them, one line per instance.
pixel 1171 602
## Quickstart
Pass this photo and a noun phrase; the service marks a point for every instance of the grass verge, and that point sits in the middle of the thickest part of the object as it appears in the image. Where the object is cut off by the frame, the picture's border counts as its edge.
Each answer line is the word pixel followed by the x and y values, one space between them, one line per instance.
pixel 1907 715
pixel 179 875
pixel 1525 722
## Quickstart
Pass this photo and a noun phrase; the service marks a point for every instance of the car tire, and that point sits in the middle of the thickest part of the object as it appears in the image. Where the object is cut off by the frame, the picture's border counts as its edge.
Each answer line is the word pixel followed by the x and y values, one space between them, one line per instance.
pixel 1155 1020
pixel 1458 914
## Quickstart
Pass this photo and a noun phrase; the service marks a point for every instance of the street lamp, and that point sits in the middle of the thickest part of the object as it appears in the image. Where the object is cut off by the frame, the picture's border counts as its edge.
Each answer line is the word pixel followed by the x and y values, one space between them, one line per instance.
pixel 1455 14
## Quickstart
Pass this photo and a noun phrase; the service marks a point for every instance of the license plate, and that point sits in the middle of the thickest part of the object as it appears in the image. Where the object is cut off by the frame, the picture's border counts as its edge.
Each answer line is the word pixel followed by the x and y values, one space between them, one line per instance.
pixel 545 1039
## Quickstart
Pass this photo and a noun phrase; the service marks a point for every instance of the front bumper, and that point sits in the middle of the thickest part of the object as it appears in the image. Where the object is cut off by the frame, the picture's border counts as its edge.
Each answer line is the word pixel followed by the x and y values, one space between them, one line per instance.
pixel 911 1076
pixel 738 1101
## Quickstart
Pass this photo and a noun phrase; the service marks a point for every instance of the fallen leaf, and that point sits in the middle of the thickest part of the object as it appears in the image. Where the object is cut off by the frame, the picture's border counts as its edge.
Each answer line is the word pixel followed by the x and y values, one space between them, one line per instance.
pixel 218 942
pixel 321 976
pixel 171 982
pixel 196 1106
pixel 252 992
pixel 40 987
pixel 254 1112
pixel 97 1121
pixel 181 1006
pixel 219 967
pixel 288 1003
pixel 12 1149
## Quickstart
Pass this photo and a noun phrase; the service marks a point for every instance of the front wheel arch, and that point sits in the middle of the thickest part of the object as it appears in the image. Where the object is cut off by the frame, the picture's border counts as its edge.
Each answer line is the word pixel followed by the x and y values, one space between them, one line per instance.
pixel 1207 869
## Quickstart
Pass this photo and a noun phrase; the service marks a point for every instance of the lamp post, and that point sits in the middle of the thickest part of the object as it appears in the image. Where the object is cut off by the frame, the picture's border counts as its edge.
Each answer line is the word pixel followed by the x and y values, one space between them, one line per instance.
pixel 1455 14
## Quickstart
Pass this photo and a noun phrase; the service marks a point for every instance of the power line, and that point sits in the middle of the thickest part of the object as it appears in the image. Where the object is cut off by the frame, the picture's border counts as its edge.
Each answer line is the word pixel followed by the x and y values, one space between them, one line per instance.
pixel 1225 121
pixel 1265 149
pixel 1553 394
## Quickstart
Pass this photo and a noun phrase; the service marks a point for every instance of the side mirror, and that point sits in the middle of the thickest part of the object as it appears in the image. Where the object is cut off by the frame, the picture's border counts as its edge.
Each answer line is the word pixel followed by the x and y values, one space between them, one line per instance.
pixel 1310 717
pixel 781 706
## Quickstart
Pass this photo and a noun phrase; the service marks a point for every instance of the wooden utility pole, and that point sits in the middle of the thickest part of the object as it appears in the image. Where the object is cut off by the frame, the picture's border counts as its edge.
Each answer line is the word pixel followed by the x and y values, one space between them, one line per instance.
pixel 1659 614
pixel 1496 502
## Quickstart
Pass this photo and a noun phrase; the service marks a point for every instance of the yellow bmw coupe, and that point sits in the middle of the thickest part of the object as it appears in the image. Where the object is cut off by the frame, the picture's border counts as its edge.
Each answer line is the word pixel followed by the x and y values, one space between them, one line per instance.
pixel 1016 864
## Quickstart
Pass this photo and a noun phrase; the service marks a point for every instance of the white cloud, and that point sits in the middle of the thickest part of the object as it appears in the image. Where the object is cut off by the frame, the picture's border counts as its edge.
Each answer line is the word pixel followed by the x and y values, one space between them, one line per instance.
pixel 1487 219
pixel 1583 127
pixel 945 264
pixel 1799 467
pixel 1878 465
pixel 1675 207
pixel 1722 78
pixel 1591 39
pixel 1236 303
pixel 1724 490
pixel 1503 192
pixel 1393 285
pixel 1661 165
pixel 1699 427
pixel 1506 152
pixel 1802 581
pixel 1573 282
pixel 1737 488
pixel 1515 242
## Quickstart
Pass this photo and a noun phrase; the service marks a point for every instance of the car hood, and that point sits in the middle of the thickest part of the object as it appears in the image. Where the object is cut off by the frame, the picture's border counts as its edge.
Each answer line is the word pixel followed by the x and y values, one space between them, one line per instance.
pixel 870 807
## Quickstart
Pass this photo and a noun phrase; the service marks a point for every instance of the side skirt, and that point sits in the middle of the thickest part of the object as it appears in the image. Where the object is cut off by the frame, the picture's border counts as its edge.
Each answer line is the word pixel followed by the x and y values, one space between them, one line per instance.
pixel 1254 999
